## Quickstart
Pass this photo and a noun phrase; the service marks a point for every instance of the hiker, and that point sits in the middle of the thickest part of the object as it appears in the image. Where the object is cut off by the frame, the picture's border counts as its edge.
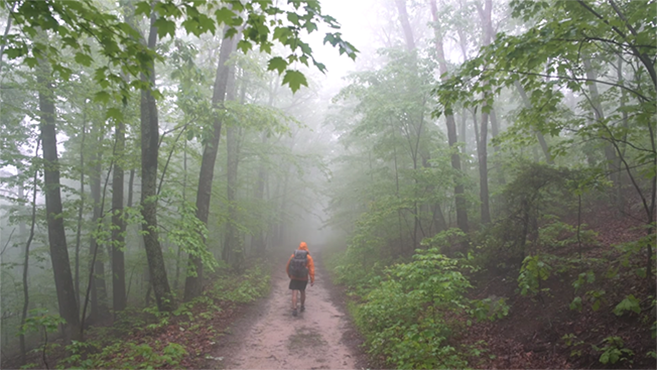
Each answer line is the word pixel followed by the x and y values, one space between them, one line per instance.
pixel 299 267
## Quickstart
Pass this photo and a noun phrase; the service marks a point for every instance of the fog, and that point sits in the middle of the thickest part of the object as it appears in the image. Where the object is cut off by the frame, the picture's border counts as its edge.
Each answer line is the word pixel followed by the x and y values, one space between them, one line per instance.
pixel 497 136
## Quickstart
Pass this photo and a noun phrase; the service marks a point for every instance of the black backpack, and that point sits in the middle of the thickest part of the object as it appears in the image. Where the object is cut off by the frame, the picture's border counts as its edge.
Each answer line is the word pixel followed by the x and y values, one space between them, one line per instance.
pixel 299 264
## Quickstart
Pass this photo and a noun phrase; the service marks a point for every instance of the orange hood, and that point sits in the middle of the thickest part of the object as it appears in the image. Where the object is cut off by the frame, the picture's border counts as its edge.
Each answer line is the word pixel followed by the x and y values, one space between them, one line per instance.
pixel 303 246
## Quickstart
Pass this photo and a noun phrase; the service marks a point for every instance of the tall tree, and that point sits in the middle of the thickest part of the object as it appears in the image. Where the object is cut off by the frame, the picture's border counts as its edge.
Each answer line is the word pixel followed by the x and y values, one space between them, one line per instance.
pixel 99 309
pixel 118 223
pixel 149 125
pixel 459 193
pixel 68 307
pixel 485 14
pixel 225 74
pixel 406 25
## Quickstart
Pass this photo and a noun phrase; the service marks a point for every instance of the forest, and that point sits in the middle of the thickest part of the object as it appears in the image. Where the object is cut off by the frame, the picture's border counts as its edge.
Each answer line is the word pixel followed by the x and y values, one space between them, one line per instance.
pixel 476 180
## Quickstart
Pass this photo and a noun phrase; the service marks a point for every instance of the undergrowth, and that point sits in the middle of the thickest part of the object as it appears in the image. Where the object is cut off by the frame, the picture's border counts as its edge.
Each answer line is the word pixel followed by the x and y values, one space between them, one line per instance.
pixel 411 313
pixel 148 339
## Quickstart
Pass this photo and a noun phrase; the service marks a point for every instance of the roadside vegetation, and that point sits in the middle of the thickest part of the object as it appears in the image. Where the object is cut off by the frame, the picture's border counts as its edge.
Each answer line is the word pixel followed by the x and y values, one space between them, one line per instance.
pixel 148 339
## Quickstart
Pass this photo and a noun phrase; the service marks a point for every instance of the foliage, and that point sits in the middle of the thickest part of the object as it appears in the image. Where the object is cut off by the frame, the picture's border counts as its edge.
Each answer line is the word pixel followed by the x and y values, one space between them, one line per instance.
pixel 406 318
pixel 252 284
pixel 630 303
pixel 131 355
pixel 490 309
pixel 534 270
pixel 613 351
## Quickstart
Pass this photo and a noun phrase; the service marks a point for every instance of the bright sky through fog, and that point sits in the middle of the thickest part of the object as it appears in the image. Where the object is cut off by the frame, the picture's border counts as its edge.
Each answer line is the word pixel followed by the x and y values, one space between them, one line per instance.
pixel 355 18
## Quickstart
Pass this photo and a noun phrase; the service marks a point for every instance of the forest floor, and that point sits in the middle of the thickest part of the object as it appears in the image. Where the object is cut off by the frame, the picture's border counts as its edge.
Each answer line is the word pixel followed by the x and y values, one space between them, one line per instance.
pixel 267 336
pixel 532 335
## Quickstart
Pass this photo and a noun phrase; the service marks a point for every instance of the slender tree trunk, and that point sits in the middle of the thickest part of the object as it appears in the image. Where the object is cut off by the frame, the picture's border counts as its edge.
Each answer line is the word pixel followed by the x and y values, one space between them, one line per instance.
pixel 68 308
pixel 78 234
pixel 131 183
pixel 231 241
pixel 149 152
pixel 118 223
pixel 258 241
pixel 459 193
pixel 99 308
pixel 26 264
pixel 406 25
pixel 194 280
pixel 619 192
pixel 482 146
pixel 4 36
pixel 182 206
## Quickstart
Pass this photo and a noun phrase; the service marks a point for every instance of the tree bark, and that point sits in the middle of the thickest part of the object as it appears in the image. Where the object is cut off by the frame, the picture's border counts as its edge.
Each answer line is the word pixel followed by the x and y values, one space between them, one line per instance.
pixel 459 193
pixel 68 308
pixel 99 308
pixel 118 223
pixel 406 25
pixel 485 14
pixel 149 152
pixel 78 234
pixel 194 280
pixel 232 249
pixel 26 264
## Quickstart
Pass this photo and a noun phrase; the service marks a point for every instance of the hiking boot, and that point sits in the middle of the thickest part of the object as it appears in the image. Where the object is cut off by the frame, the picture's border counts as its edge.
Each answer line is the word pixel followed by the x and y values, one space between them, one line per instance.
pixel 294 312
pixel 303 308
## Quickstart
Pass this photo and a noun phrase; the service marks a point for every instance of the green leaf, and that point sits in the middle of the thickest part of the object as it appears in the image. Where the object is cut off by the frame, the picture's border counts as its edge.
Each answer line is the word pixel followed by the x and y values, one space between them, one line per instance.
pixel 143 8
pixel 224 15
pixel 84 59
pixel 630 303
pixel 165 27
pixel 244 46
pixel 102 97
pixel 294 79
pixel 277 63
pixel 293 18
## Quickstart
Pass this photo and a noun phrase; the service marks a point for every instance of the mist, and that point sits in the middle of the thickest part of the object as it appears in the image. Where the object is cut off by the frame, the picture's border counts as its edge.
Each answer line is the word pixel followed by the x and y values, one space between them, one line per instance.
pixel 472 176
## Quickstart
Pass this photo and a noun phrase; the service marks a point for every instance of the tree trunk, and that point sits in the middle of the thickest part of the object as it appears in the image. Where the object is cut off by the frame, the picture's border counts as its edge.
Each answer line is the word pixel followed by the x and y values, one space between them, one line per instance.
pixel 78 235
pixel 26 263
pixel 118 224
pixel 149 151
pixel 406 25
pixel 485 14
pixel 599 115
pixel 482 154
pixel 461 207
pixel 232 247
pixel 99 308
pixel 68 308
pixel 258 241
pixel 194 280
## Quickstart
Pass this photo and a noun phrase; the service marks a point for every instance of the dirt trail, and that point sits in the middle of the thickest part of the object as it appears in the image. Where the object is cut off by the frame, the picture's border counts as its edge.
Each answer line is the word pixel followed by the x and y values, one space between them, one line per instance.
pixel 277 340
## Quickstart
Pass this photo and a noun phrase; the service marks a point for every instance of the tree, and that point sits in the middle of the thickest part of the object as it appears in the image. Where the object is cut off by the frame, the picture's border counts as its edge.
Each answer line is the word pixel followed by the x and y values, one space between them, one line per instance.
pixel 459 193
pixel 223 85
pixel 118 223
pixel 68 307
pixel 149 153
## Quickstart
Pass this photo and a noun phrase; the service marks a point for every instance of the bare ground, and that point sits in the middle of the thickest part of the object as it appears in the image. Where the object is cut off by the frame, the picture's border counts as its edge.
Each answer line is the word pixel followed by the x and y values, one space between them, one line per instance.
pixel 269 337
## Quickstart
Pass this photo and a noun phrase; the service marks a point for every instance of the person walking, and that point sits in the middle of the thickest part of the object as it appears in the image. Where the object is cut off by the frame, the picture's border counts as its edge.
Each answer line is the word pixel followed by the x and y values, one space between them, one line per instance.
pixel 299 267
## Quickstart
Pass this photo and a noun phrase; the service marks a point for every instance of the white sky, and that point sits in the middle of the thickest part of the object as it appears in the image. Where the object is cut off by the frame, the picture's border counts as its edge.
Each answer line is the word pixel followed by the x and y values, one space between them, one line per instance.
pixel 355 18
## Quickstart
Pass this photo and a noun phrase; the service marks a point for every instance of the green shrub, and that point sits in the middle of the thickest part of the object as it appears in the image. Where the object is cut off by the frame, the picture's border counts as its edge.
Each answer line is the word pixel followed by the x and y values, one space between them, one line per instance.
pixel 405 317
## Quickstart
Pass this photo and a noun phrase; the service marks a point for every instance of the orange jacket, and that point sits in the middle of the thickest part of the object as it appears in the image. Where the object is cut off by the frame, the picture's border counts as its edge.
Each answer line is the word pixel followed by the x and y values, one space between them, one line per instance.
pixel 310 265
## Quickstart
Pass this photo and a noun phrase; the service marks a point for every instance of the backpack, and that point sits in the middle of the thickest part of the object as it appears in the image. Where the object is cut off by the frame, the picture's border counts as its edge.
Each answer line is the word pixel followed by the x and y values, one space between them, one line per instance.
pixel 299 264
